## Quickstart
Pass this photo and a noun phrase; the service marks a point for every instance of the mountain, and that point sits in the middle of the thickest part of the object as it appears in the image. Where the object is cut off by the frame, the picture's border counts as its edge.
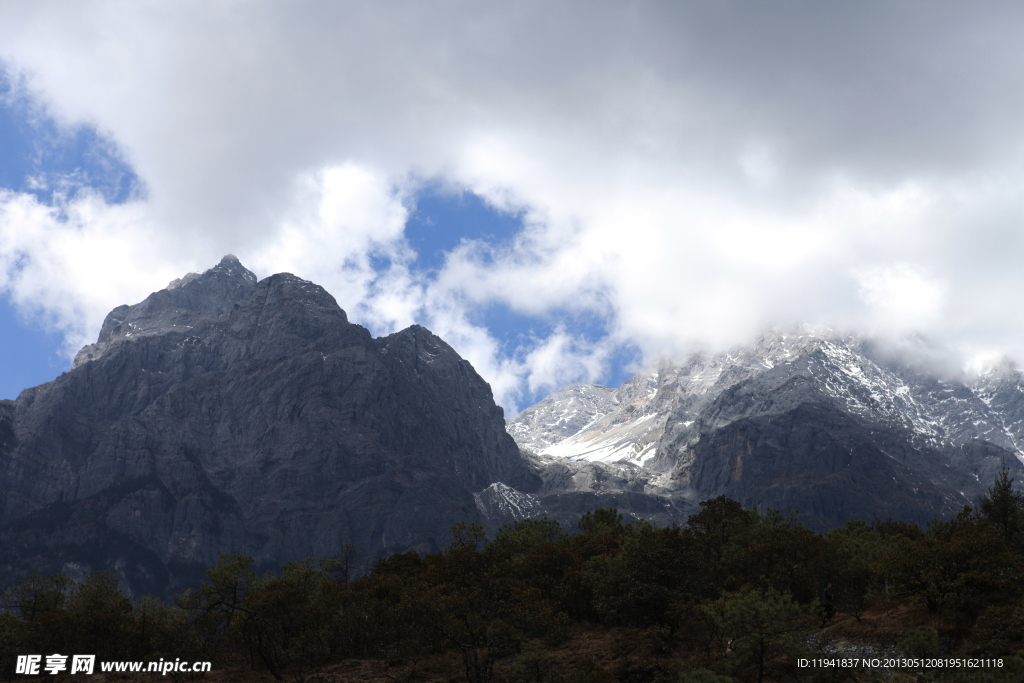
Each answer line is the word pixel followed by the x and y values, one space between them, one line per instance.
pixel 829 427
pixel 224 414
pixel 229 415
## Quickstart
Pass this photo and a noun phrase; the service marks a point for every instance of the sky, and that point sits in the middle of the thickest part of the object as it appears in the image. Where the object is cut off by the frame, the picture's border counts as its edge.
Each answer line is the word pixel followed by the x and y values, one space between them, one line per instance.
pixel 562 190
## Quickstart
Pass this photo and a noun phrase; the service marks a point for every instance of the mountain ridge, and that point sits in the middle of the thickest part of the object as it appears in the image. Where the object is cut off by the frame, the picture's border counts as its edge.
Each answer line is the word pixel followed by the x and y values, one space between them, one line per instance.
pixel 707 426
pixel 230 415
pixel 226 414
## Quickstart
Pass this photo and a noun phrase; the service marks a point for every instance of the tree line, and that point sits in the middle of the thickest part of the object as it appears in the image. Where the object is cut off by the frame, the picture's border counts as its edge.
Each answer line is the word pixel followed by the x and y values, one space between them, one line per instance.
pixel 731 596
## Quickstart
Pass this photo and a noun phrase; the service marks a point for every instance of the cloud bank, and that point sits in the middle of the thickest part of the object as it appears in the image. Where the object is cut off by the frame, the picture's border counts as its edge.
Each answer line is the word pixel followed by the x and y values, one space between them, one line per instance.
pixel 688 173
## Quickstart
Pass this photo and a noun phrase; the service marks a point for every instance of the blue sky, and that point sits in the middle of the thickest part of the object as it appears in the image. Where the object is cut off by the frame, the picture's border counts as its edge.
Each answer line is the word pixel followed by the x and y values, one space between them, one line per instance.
pixel 30 353
pixel 564 192
pixel 40 158
pixel 43 159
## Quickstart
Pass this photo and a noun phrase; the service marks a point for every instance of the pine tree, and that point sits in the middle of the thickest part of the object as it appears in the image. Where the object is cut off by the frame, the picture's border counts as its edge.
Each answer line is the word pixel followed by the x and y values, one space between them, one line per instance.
pixel 1004 507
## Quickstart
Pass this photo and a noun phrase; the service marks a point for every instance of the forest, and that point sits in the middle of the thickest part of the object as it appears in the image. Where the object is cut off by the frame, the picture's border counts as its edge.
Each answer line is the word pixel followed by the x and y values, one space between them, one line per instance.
pixel 731 596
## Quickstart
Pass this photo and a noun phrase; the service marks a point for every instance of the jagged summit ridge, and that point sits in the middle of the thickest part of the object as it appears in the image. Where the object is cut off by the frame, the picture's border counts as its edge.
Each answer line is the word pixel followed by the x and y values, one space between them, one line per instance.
pixel 180 306
pixel 600 424
pixel 831 425
pixel 229 268
pixel 587 422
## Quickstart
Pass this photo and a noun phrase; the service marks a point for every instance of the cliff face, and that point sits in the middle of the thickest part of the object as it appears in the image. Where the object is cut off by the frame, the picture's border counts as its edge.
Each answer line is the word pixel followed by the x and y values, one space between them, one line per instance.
pixel 229 415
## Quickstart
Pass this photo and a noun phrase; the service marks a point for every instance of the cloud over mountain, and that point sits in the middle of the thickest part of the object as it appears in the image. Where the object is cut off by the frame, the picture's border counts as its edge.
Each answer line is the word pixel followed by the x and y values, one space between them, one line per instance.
pixel 686 173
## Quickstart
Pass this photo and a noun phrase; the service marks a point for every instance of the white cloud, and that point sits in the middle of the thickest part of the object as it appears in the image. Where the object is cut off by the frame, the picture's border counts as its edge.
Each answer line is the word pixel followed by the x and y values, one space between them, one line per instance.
pixel 900 297
pixel 691 172
pixel 68 265
pixel 339 219
pixel 560 359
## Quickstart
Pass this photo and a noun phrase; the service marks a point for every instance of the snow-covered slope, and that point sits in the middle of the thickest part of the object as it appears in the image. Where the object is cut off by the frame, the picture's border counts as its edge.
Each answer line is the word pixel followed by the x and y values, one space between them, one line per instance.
pixel 592 422
pixel 659 413
pixel 600 424
pixel 830 427
pixel 561 415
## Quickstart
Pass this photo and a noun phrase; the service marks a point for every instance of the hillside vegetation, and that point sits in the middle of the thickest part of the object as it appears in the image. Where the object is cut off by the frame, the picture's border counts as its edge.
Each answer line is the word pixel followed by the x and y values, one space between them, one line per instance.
pixel 732 596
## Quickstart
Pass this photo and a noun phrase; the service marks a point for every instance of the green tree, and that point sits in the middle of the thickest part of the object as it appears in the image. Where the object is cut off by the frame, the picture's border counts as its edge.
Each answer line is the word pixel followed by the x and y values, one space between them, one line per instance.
pixel 652 571
pixel 477 606
pixel 298 612
pixel 466 536
pixel 600 521
pixel 1004 507
pixel 163 631
pixel 37 595
pixel 341 566
pixel 12 643
pixel 775 551
pixel 716 527
pixel 959 563
pixel 765 631
pixel 853 551
pixel 100 618
pixel 41 604
pixel 519 539
pixel 226 622
pixel 383 615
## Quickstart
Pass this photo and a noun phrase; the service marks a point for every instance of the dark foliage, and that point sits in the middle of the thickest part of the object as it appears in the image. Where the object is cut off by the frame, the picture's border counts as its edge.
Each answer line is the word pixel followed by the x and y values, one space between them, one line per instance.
pixel 731 596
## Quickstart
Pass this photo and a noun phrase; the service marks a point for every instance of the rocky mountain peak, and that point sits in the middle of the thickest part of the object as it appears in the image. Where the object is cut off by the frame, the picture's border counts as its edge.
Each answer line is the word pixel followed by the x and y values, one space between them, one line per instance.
pixel 180 306
pixel 798 419
pixel 223 277
pixel 224 414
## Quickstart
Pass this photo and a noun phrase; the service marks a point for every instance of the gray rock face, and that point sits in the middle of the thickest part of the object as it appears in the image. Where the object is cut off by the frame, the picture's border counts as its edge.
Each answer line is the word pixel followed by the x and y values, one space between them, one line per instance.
pixel 229 415
pixel 573 487
pixel 830 427
pixel 210 296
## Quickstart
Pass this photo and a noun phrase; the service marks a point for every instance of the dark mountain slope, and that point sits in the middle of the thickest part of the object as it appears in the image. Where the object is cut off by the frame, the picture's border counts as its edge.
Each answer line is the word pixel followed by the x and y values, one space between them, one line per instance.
pixel 226 415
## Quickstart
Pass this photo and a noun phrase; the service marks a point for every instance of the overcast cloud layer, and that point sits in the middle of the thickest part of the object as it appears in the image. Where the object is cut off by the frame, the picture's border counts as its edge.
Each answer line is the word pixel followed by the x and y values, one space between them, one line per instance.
pixel 688 171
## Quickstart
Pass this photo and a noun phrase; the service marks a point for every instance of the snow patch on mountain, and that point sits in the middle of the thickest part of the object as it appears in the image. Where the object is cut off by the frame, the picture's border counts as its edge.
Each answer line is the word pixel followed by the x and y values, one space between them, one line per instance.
pixel 500 502
pixel 653 418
